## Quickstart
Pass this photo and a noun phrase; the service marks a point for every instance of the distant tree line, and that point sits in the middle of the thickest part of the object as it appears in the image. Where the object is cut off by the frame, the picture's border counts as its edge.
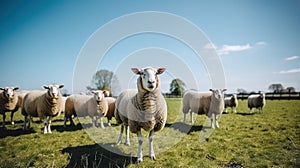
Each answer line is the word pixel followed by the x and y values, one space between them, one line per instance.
pixel 104 80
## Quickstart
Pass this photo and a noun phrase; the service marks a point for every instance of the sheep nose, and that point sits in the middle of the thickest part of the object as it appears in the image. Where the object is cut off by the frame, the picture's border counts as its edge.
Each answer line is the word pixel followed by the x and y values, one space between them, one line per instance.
pixel 151 82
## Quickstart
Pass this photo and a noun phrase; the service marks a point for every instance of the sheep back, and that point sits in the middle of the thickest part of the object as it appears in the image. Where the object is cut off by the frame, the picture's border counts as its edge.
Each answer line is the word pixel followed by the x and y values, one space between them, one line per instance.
pixel 111 107
pixel 197 102
pixel 77 105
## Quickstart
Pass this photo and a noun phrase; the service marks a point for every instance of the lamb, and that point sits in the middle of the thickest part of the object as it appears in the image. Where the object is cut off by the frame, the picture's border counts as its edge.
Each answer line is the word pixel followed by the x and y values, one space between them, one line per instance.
pixel 231 102
pixel 256 101
pixel 84 105
pixel 8 102
pixel 144 108
pixel 207 103
pixel 42 104
pixel 111 109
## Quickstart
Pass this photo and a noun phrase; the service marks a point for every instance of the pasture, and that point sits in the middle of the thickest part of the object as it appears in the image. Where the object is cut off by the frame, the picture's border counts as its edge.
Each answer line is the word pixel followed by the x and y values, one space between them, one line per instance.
pixel 271 139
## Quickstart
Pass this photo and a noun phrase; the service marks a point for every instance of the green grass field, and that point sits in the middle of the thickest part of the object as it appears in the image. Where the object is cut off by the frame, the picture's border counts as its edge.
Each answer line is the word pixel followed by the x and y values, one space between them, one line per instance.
pixel 271 139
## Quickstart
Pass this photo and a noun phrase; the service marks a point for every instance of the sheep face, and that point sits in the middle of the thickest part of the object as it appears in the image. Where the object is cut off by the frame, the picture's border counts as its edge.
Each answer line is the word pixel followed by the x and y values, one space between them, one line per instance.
pixel 99 95
pixel 9 91
pixel 53 90
pixel 149 77
pixel 218 93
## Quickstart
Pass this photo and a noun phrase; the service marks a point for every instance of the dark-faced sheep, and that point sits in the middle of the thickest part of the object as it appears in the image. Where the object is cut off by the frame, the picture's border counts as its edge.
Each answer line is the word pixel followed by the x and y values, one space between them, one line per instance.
pixel 144 108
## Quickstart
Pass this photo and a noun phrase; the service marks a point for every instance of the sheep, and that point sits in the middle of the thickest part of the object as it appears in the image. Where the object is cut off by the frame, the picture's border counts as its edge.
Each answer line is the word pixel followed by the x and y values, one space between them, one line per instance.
pixel 8 102
pixel 144 108
pixel 207 103
pixel 256 101
pixel 231 102
pixel 21 95
pixel 63 104
pixel 111 109
pixel 42 104
pixel 84 105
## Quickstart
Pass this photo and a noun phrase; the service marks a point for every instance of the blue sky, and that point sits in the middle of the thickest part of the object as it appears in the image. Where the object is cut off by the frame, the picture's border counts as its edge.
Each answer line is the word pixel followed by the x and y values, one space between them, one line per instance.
pixel 258 41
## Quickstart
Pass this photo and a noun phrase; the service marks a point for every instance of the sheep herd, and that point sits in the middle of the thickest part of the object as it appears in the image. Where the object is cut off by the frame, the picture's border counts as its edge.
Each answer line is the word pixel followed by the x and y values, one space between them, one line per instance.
pixel 134 109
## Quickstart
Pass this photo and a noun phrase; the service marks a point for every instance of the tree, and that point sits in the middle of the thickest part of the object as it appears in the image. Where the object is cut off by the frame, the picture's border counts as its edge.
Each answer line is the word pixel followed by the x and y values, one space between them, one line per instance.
pixel 291 89
pixel 241 90
pixel 177 87
pixel 103 80
pixel 277 87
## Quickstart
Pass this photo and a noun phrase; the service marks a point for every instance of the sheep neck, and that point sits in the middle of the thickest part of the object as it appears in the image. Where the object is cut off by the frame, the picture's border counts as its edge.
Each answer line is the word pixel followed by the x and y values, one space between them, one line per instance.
pixel 145 100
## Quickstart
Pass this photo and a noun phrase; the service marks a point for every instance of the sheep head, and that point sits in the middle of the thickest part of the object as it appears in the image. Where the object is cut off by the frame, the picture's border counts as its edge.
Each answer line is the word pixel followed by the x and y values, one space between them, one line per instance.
pixel 218 93
pixel 53 90
pixel 9 92
pixel 99 94
pixel 148 76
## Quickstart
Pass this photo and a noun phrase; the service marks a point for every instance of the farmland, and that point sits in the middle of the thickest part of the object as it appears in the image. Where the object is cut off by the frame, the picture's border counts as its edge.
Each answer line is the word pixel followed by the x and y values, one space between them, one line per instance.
pixel 243 140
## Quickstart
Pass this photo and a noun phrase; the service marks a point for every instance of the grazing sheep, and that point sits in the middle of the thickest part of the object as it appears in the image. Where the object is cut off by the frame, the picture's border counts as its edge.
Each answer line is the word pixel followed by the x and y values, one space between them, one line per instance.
pixel 84 105
pixel 111 108
pixel 231 102
pixel 42 104
pixel 144 108
pixel 8 102
pixel 207 103
pixel 256 101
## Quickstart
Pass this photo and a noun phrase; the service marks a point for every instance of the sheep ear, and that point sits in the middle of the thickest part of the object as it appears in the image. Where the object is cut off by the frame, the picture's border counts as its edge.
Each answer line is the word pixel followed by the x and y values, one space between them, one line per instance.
pixel 106 93
pixel 16 88
pixel 211 90
pixel 223 90
pixel 93 91
pixel 160 71
pixel 136 71
pixel 61 86
pixel 45 87
pixel 2 89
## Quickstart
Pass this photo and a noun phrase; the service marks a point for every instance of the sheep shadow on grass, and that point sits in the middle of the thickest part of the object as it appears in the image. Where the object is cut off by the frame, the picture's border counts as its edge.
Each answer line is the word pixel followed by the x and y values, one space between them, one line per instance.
pixel 4 132
pixel 245 113
pixel 185 128
pixel 97 155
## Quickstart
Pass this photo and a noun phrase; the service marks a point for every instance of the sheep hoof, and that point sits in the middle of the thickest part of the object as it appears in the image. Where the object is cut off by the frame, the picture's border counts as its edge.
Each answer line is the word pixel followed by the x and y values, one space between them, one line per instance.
pixel 127 143
pixel 12 123
pixel 153 157
pixel 139 160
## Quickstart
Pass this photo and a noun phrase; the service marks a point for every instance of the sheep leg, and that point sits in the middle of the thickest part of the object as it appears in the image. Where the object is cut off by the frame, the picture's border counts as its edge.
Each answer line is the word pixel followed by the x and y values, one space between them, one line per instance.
pixel 12 118
pixel 49 124
pixel 151 150
pixel 94 121
pixel 127 140
pixel 234 109
pixel 101 122
pixel 45 125
pixel 24 126
pixel 3 119
pixel 120 136
pixel 108 122
pixel 65 122
pixel 184 117
pixel 216 120
pixel 192 117
pixel 140 151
